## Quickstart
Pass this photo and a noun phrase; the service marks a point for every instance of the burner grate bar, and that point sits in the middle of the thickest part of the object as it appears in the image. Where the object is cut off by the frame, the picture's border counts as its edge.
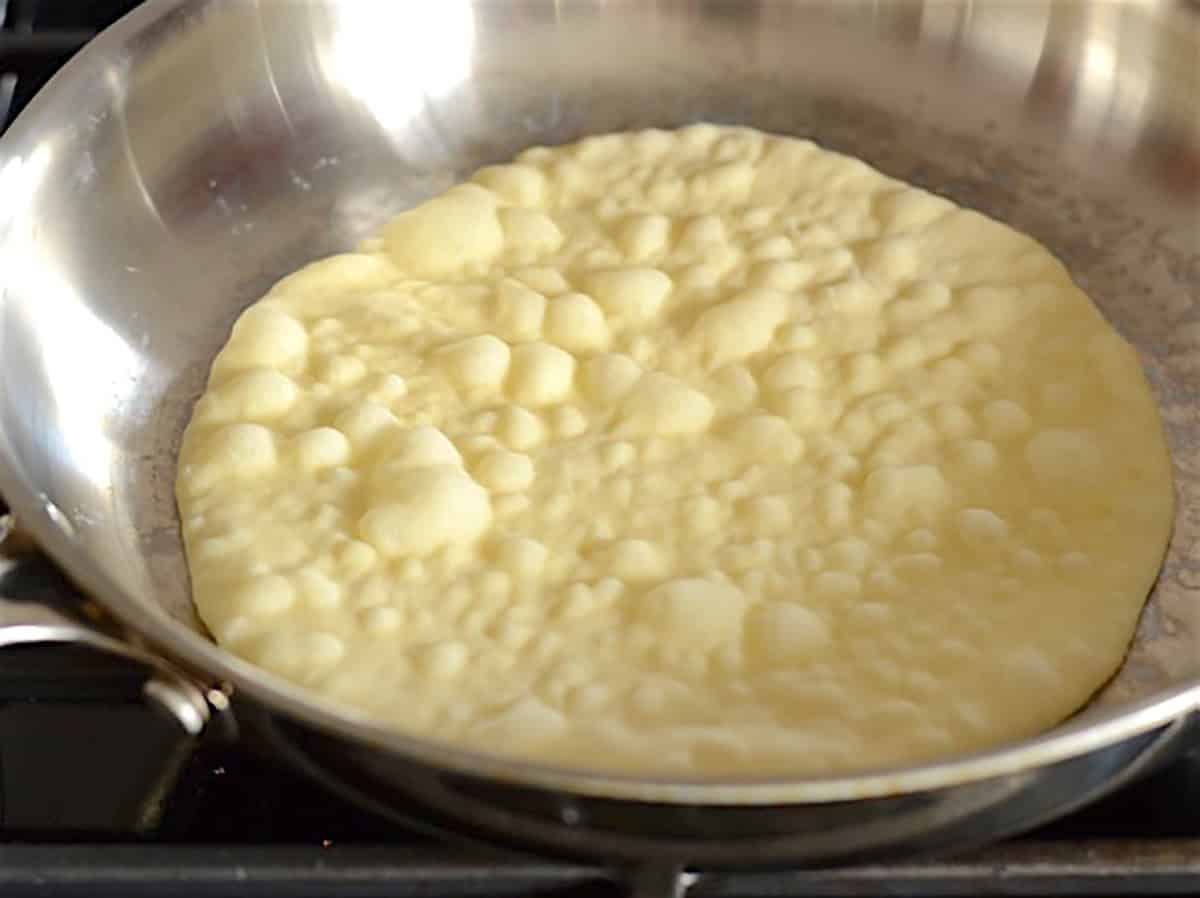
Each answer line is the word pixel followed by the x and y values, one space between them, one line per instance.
pixel 41 46
pixel 8 87
pixel 278 871
pixel 18 14
pixel 30 58
pixel 1129 868
pixel 1125 867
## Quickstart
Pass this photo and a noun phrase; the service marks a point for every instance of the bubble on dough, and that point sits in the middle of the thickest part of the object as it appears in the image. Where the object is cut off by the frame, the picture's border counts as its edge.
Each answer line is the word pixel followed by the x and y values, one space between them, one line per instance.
pixel 505 472
pixel 644 235
pixel 520 428
pixel 530 230
pixel 259 394
pixel 458 228
pixel 540 374
pixel 609 377
pixel 694 612
pixel 265 336
pixel 364 422
pixel 785 633
pixel 741 326
pixel 894 492
pixel 576 322
pixel 518 311
pixel 476 362
pixel 322 447
pixel 432 508
pixel 633 560
pixel 420 447
pixel 527 722
pixel 523 557
pixel 521 185
pixel 265 595
pixel 236 451
pixel 632 294
pixel 341 370
pixel 661 404
pixel 792 371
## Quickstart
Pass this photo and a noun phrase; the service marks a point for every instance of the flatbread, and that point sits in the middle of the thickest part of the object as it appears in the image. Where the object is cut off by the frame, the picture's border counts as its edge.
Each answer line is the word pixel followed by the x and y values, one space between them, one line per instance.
pixel 703 451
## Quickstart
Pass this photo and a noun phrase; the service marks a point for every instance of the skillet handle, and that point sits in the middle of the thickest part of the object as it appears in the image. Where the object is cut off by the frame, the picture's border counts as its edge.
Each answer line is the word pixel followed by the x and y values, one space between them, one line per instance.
pixel 38 605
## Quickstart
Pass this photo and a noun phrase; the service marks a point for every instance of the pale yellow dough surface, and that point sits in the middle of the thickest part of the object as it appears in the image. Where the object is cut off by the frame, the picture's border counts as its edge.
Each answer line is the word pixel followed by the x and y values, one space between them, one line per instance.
pixel 701 451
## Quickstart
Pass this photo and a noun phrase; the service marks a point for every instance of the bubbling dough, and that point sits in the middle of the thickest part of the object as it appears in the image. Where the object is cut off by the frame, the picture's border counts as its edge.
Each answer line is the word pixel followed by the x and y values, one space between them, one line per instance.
pixel 690 452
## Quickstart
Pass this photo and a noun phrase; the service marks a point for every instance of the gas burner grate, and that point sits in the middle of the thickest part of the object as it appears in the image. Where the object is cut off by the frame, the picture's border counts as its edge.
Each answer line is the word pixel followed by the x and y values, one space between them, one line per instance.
pixel 38 36
pixel 8 87
pixel 1014 870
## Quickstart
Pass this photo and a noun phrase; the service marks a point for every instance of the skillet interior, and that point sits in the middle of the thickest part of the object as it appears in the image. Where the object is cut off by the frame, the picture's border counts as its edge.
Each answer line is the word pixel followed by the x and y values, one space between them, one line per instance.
pixel 202 149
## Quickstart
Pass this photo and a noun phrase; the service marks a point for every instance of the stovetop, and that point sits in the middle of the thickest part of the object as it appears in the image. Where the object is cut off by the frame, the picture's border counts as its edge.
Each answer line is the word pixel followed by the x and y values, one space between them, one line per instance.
pixel 100 796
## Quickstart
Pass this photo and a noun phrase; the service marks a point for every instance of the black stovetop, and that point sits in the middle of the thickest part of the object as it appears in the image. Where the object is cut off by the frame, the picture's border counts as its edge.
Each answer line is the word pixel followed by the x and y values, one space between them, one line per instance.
pixel 100 797
pixel 81 755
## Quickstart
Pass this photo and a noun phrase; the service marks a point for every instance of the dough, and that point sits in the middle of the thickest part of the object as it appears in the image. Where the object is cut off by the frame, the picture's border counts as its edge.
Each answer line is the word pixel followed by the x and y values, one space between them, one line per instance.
pixel 702 451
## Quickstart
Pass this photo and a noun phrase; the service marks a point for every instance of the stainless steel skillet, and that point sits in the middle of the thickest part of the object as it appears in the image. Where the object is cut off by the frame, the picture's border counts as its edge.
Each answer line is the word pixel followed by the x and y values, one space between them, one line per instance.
pixel 200 149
